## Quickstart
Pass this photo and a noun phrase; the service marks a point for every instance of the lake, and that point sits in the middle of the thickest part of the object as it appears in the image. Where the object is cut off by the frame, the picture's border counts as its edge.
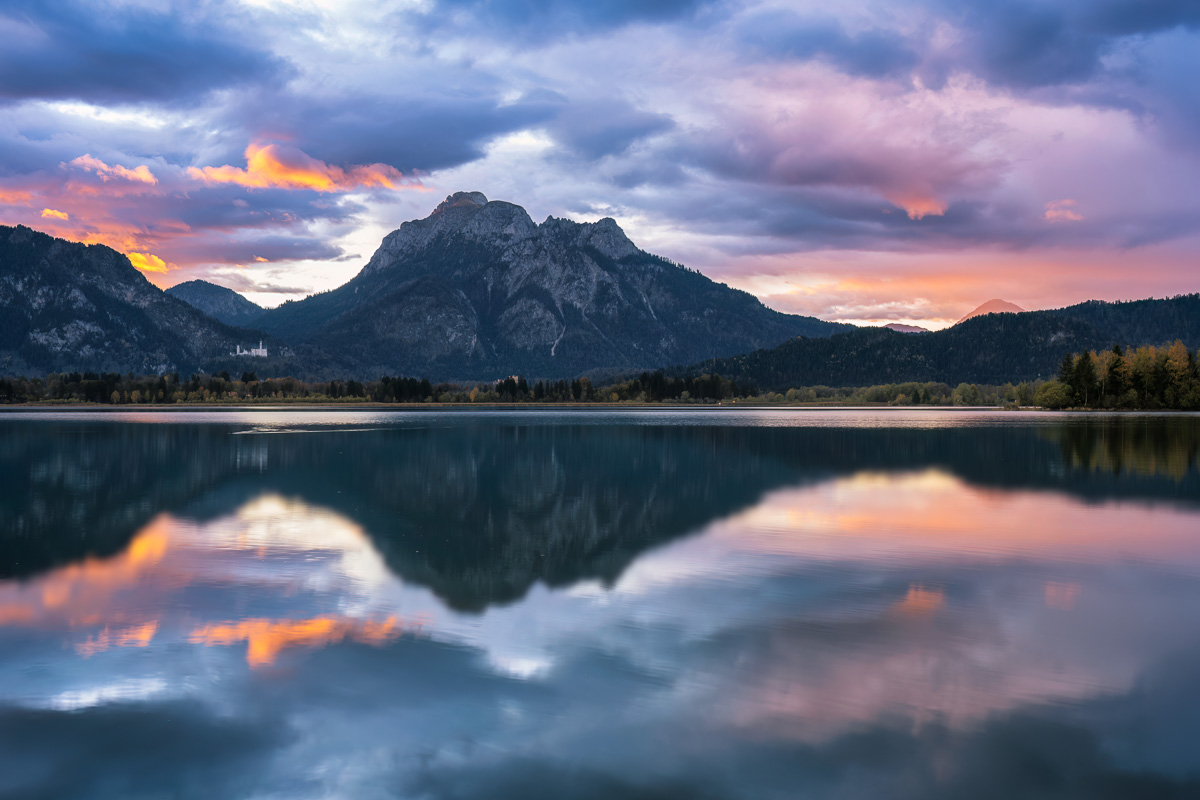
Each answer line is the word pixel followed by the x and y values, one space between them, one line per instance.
pixel 726 603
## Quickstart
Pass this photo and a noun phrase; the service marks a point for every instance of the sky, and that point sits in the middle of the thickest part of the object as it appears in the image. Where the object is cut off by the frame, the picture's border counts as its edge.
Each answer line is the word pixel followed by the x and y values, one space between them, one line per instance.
pixel 868 161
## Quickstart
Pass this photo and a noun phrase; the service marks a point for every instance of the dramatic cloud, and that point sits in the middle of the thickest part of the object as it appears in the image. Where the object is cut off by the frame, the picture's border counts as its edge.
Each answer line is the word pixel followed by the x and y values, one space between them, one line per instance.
pixel 760 141
pixel 272 165
pixel 125 52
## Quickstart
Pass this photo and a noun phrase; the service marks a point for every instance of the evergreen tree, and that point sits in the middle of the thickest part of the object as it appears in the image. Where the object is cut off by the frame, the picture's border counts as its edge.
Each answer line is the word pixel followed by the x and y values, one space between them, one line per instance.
pixel 1084 384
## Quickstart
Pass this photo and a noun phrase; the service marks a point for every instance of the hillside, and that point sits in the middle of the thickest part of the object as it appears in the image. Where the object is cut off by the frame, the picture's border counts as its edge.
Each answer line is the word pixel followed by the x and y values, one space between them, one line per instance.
pixel 69 306
pixel 224 305
pixel 477 290
pixel 993 348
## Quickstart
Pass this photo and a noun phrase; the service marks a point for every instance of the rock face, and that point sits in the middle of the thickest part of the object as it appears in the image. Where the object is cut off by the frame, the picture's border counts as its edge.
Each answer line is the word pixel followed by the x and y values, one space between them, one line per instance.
pixel 477 290
pixel 66 306
pixel 218 302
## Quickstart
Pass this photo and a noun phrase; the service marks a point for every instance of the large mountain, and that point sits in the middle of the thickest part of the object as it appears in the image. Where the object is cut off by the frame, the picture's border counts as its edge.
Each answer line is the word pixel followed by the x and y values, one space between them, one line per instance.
pixel 218 302
pixel 478 290
pixel 993 348
pixel 69 306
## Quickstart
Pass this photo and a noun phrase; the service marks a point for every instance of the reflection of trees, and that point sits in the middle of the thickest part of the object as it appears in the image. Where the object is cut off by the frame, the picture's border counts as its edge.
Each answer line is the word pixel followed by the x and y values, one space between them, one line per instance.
pixel 481 512
pixel 1140 446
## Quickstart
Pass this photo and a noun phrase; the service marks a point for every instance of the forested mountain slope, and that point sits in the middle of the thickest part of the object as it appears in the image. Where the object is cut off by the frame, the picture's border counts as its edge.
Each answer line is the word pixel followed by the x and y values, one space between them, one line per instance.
pixel 994 348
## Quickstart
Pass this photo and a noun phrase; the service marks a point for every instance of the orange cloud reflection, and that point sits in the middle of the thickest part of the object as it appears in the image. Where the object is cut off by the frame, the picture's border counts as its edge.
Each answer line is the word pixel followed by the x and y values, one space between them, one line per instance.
pixel 273 166
pixel 267 638
pixel 920 602
pixel 50 213
pixel 935 516
pixel 135 636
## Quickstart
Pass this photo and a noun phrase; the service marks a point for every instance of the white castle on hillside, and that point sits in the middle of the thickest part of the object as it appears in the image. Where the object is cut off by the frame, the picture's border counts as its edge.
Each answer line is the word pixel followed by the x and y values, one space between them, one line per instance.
pixel 253 352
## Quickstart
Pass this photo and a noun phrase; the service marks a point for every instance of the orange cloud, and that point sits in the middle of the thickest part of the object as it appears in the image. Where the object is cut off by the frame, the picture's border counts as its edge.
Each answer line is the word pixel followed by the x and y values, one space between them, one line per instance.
pixel 266 638
pixel 52 213
pixel 141 174
pixel 148 262
pixel 1061 211
pixel 273 166
pixel 918 205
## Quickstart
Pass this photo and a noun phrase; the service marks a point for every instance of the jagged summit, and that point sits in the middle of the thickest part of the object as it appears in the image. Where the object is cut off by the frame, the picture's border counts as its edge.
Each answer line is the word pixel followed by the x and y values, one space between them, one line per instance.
pixel 462 200
pixel 478 290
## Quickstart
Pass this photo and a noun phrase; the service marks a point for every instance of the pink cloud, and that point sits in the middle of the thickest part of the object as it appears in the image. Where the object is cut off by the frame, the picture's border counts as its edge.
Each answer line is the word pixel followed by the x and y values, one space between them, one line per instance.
pixel 106 172
pixel 1062 211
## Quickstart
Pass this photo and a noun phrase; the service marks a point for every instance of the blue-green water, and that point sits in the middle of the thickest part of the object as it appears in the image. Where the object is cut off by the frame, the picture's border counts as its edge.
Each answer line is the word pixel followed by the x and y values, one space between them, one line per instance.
pixel 650 604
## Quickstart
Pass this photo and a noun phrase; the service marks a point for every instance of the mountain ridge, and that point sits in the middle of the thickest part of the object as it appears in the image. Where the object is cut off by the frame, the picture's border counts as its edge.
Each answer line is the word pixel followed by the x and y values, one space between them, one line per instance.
pixel 988 349
pixel 477 290
pixel 70 306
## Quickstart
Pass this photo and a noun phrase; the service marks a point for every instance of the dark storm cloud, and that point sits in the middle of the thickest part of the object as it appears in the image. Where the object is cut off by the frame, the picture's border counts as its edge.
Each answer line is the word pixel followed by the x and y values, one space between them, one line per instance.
pixel 422 130
pixel 786 35
pixel 1027 44
pixel 106 53
pixel 545 19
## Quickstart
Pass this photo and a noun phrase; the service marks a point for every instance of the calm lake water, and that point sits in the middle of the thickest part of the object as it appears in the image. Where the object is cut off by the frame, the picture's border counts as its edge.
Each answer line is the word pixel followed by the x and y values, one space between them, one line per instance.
pixel 622 604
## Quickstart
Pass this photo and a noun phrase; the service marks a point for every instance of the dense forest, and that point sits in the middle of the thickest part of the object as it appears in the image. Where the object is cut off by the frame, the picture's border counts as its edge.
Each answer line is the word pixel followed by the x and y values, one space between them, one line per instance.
pixel 989 349
pixel 1145 377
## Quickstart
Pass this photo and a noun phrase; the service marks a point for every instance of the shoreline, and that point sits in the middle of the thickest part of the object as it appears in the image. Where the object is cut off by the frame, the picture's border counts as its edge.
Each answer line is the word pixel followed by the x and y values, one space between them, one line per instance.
pixel 107 408
pixel 104 408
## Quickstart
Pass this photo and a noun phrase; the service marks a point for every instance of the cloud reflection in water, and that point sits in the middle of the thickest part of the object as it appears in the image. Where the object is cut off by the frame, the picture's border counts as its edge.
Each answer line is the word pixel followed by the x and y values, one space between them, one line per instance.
pixel 882 632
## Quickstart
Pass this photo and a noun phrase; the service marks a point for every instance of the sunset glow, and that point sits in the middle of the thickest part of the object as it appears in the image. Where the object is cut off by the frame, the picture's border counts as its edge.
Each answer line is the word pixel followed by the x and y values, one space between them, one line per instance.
pixel 271 165
pixel 845 150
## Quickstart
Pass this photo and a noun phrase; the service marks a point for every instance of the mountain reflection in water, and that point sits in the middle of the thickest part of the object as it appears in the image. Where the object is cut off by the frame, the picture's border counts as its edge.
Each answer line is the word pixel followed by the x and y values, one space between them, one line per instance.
pixel 587 605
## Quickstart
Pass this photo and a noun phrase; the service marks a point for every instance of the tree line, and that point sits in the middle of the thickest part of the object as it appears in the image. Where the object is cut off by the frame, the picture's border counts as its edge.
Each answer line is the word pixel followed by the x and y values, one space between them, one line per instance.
pixel 222 387
pixel 1145 377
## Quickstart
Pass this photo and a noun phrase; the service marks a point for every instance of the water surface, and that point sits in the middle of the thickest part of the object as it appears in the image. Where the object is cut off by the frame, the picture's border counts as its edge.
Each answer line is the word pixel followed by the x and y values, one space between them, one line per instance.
pixel 576 604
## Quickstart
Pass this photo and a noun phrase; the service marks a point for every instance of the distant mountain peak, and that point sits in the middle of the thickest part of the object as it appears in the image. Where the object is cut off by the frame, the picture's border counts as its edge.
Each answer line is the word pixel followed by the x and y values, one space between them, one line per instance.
pixel 994 306
pixel 217 301
pixel 461 200
pixel 900 327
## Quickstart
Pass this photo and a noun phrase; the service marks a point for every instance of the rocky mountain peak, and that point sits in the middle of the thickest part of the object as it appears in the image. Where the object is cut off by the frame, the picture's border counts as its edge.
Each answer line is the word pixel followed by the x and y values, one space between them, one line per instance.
pixel 462 200
pixel 604 235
